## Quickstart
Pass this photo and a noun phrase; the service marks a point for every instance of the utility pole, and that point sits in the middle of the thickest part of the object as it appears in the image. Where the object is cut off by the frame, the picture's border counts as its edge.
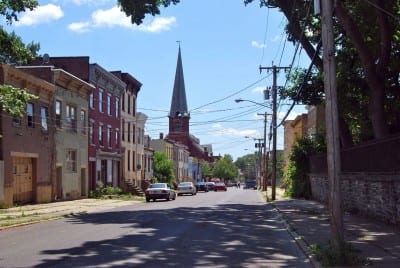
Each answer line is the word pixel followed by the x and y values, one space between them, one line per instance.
pixel 332 127
pixel 265 158
pixel 275 69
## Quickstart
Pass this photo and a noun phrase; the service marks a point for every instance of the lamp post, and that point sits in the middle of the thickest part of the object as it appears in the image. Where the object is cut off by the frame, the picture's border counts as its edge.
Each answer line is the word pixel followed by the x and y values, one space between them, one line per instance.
pixel 265 160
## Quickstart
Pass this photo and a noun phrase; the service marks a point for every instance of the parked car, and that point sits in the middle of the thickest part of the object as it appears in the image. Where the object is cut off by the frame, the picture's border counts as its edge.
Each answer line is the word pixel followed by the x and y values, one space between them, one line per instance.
pixel 159 191
pixel 186 188
pixel 201 186
pixel 210 185
pixel 250 184
pixel 220 186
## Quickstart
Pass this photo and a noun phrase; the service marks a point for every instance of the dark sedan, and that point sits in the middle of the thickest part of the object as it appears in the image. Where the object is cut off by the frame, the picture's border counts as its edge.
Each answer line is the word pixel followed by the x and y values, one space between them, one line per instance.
pixel 159 191
pixel 201 186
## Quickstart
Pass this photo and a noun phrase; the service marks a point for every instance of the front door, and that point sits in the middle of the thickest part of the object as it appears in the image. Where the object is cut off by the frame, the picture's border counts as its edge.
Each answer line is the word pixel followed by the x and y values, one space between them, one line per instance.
pixel 22 178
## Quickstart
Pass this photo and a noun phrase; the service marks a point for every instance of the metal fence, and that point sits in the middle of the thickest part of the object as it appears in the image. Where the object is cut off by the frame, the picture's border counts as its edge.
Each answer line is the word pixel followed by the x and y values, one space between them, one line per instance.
pixel 374 156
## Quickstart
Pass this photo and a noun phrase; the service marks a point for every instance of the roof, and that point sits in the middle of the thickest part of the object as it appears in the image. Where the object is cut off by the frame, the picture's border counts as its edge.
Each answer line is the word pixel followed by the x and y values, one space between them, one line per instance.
pixel 178 103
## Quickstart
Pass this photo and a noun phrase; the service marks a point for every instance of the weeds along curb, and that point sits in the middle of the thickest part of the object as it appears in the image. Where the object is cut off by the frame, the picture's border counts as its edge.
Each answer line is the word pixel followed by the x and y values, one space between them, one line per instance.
pixel 303 245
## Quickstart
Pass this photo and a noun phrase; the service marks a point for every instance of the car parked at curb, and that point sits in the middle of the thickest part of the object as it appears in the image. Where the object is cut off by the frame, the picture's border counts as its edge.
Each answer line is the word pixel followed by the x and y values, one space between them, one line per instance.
pixel 186 188
pixel 201 186
pixel 159 191
pixel 210 185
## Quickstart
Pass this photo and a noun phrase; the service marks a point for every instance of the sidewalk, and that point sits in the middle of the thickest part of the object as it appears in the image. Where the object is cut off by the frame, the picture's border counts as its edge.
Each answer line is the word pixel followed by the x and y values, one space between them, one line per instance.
pixel 308 222
pixel 29 214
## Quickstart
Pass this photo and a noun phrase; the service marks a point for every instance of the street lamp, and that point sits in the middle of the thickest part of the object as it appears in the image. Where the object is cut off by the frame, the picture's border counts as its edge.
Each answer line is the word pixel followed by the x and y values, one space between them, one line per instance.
pixel 265 162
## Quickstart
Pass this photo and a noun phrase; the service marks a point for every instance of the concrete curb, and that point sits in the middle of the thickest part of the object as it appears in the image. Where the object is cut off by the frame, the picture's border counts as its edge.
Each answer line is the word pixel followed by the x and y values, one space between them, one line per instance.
pixel 303 245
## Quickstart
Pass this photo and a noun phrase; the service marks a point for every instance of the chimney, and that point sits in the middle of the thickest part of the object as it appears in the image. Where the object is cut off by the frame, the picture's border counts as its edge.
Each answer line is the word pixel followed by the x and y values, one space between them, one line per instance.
pixel 161 136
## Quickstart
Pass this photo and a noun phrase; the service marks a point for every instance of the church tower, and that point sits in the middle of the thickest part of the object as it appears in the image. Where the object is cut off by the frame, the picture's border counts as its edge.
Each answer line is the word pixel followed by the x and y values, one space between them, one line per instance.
pixel 179 115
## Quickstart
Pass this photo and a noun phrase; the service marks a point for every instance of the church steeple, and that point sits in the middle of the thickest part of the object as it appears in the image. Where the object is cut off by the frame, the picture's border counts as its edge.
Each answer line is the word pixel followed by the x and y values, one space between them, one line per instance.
pixel 178 103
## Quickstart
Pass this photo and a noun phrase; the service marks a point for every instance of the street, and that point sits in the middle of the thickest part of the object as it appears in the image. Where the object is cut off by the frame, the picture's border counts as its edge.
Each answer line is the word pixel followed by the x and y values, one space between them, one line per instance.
pixel 215 229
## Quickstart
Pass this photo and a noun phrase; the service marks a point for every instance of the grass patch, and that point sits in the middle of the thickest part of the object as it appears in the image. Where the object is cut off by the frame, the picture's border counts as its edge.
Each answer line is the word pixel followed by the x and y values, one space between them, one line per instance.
pixel 328 256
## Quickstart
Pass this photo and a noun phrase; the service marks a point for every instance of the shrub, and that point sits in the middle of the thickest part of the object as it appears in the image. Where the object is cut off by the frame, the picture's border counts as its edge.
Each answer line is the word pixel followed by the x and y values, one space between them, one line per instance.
pixel 296 179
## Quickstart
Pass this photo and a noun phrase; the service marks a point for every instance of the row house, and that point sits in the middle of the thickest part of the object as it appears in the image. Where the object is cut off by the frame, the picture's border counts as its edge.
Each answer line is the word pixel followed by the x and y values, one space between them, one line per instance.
pixel 181 160
pixel 27 151
pixel 163 145
pixel 195 171
pixel 105 154
pixel 104 119
pixel 70 118
pixel 148 159
pixel 128 127
pixel 115 129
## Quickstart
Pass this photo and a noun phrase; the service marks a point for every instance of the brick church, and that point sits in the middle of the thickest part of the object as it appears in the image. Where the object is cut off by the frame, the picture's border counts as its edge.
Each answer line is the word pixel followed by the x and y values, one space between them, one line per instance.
pixel 179 118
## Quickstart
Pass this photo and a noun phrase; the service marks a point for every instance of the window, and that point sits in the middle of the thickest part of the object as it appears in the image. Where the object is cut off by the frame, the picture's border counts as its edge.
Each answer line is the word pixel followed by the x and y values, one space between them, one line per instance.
pixel 133 105
pixel 44 113
pixel 116 107
pixel 58 113
pixel 129 104
pixel 91 101
pixel 29 113
pixel 91 132
pixel 100 101
pixel 123 130
pixel 71 160
pixel 129 132
pixel 16 121
pixel 129 160
pixel 133 160
pixel 108 104
pixel 116 137
pixel 134 134
pixel 70 117
pixel 109 136
pixel 123 102
pixel 101 134
pixel 83 121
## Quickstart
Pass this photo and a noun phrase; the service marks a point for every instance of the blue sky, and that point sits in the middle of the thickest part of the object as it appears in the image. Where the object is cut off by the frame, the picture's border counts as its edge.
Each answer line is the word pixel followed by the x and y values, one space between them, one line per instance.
pixel 223 42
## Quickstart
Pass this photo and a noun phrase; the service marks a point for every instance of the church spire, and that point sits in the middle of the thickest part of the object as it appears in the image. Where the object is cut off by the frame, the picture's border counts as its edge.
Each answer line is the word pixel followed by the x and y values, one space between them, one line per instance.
pixel 178 103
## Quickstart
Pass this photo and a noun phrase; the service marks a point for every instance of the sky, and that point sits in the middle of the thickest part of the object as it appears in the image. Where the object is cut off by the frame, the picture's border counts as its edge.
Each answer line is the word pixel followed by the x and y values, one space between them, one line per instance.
pixel 223 43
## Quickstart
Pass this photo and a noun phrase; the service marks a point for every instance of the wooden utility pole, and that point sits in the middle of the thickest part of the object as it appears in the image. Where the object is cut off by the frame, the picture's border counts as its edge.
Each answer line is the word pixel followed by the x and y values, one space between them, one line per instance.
pixel 332 127
pixel 275 71
pixel 265 154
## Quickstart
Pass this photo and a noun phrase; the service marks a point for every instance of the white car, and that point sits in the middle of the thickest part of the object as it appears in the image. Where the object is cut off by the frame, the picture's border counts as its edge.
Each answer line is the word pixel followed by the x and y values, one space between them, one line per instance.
pixel 186 188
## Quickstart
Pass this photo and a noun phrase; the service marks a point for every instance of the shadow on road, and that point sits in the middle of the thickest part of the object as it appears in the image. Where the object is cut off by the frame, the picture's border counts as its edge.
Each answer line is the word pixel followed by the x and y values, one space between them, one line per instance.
pixel 220 236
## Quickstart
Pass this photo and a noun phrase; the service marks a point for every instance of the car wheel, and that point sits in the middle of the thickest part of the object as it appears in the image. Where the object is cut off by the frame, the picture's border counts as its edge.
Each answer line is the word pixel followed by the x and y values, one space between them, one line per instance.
pixel 147 199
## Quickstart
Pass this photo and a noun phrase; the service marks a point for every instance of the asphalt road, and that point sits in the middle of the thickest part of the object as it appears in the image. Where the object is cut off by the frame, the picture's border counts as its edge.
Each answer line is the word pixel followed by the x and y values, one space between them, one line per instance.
pixel 215 229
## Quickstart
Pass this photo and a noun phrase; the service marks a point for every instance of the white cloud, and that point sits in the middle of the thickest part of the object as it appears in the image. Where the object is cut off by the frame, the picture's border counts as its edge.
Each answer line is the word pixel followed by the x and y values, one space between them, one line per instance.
pixel 41 14
pixel 114 17
pixel 259 89
pixel 257 45
pixel 219 130
pixel 79 27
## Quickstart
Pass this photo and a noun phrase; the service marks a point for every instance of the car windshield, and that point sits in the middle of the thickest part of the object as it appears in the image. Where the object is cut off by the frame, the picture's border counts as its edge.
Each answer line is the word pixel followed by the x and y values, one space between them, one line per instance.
pixel 185 184
pixel 158 185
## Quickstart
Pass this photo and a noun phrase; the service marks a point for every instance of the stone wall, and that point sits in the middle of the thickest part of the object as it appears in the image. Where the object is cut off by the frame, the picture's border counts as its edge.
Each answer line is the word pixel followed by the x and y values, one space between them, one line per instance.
pixel 375 195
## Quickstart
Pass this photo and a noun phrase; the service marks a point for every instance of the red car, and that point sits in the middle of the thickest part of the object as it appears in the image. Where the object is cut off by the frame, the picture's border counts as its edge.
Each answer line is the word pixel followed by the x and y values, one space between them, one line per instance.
pixel 220 186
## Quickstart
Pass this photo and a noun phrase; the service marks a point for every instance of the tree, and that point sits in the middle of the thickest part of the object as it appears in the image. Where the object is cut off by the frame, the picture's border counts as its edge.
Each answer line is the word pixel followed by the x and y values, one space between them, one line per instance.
pixel 225 168
pixel 163 168
pixel 206 169
pixel 139 8
pixel 14 51
pixel 248 164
